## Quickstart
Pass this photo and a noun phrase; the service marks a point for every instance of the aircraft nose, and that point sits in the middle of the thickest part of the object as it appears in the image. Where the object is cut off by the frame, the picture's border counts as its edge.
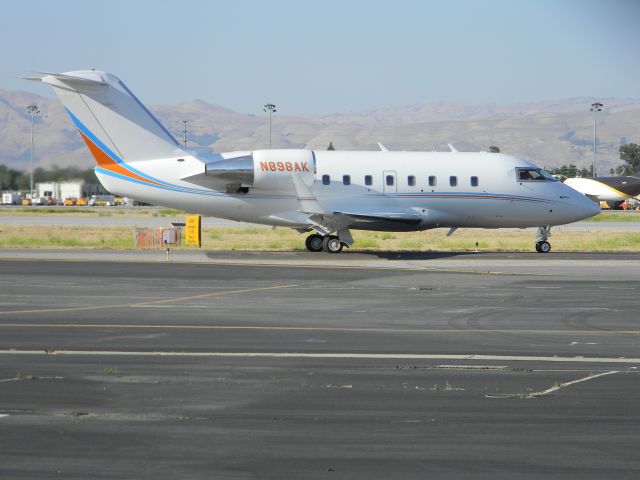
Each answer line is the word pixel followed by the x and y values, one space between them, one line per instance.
pixel 586 207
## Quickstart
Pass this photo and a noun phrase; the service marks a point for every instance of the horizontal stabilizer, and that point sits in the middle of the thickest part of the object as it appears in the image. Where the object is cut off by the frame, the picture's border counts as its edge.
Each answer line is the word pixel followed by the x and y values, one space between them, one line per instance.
pixel 87 79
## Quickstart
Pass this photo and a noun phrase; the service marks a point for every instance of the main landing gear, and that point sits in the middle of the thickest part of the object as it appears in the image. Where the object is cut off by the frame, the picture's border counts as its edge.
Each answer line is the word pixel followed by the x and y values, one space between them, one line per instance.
pixel 542 245
pixel 327 243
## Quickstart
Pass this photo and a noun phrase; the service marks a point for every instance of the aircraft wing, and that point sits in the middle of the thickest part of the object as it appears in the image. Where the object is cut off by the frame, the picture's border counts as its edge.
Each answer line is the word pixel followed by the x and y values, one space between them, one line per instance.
pixel 331 220
pixel 340 222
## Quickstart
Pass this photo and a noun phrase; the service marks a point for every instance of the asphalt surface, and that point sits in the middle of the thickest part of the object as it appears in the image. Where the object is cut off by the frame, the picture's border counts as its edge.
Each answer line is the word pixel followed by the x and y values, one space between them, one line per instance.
pixel 309 366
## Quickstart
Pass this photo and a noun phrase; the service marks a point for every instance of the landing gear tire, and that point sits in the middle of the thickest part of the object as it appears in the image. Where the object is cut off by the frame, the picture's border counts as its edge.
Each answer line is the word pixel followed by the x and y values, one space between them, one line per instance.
pixel 332 244
pixel 543 247
pixel 314 243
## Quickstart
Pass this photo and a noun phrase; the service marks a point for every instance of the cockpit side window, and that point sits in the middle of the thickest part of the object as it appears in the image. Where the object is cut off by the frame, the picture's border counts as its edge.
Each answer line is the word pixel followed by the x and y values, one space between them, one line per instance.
pixel 533 174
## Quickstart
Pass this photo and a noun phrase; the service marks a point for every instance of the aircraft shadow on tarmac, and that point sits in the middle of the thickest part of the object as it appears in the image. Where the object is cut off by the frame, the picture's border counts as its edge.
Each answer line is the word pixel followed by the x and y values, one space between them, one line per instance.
pixel 345 255
pixel 412 255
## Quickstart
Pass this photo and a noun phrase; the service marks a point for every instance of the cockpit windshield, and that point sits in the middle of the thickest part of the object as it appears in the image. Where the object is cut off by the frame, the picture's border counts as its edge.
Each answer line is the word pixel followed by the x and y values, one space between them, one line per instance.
pixel 534 174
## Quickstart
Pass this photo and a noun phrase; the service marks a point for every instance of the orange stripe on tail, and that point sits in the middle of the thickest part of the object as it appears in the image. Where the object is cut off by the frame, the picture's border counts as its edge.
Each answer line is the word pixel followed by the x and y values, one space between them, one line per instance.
pixel 105 161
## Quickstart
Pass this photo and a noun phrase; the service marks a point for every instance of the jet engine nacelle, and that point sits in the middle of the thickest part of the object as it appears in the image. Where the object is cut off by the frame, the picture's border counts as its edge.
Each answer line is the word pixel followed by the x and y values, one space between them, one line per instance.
pixel 273 168
pixel 265 170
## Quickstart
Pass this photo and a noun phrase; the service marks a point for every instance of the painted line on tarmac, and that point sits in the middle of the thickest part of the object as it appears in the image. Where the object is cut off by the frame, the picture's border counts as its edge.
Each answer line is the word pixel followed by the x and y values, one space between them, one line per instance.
pixel 552 389
pixel 427 331
pixel 373 267
pixel 345 356
pixel 283 265
pixel 150 302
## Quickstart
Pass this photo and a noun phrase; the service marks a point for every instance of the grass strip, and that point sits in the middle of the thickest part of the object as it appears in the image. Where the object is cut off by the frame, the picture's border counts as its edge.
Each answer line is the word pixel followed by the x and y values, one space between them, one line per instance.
pixel 284 239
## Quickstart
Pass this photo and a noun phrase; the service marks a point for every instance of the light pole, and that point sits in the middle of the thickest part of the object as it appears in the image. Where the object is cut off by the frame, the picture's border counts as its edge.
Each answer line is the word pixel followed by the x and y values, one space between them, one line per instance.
pixel 184 130
pixel 595 108
pixel 271 108
pixel 33 111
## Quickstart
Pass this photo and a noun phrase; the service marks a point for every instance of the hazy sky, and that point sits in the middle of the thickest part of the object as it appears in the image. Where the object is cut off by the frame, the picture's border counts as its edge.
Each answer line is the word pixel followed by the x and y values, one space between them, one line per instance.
pixel 331 56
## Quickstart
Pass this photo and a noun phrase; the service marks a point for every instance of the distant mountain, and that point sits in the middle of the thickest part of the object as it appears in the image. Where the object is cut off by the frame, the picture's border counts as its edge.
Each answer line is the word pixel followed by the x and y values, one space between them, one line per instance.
pixel 548 133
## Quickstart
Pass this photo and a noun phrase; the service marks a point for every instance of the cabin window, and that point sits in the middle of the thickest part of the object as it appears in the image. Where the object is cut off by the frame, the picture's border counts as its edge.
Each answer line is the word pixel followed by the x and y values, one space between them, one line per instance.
pixel 346 179
pixel 411 181
pixel 453 181
pixel 326 179
pixel 474 181
pixel 368 179
pixel 389 180
pixel 432 181
pixel 533 174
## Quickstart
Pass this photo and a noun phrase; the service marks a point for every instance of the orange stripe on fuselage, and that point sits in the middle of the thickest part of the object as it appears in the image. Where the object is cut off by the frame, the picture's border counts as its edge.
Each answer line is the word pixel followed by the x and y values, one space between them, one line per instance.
pixel 105 161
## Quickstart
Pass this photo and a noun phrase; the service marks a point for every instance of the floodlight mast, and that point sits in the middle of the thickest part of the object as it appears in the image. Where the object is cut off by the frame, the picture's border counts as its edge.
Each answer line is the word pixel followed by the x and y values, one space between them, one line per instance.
pixel 32 110
pixel 184 130
pixel 271 108
pixel 595 108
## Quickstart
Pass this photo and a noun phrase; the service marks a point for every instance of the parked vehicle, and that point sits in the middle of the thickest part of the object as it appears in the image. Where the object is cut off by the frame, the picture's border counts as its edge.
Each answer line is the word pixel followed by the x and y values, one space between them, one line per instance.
pixel 11 198
pixel 40 201
pixel 102 201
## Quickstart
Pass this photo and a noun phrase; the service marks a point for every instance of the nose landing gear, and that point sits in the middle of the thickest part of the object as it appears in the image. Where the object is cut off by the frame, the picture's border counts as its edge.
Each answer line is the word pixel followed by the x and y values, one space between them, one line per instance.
pixel 542 245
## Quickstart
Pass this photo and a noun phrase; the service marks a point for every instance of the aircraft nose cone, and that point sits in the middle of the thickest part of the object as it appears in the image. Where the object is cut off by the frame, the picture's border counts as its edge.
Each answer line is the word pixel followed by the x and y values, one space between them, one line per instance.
pixel 587 207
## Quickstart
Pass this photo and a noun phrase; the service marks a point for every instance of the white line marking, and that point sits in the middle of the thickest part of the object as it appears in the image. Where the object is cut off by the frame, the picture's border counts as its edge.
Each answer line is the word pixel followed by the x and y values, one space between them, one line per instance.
pixel 550 390
pixel 345 355
pixel 567 384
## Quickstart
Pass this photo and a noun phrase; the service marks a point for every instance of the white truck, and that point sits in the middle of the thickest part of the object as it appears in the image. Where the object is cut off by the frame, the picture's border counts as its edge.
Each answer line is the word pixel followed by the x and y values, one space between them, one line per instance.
pixel 11 198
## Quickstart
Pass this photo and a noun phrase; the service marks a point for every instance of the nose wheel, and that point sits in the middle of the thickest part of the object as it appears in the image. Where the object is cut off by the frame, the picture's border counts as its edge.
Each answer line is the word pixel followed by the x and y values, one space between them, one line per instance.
pixel 542 245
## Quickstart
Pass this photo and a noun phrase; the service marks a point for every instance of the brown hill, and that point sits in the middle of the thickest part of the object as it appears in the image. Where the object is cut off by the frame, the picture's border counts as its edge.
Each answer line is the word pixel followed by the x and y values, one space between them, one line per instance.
pixel 548 133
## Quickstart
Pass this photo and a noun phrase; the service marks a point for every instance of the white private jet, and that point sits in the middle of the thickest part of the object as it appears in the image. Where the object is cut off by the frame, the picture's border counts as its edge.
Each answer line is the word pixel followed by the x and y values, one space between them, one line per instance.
pixel 329 192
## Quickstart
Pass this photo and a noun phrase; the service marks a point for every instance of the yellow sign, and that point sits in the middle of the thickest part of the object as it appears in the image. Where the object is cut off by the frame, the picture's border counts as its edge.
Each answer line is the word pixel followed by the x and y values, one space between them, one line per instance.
pixel 192 234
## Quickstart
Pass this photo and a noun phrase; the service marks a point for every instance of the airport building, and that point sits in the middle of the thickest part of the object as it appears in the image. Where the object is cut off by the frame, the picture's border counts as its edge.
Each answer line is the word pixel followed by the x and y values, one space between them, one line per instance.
pixel 58 192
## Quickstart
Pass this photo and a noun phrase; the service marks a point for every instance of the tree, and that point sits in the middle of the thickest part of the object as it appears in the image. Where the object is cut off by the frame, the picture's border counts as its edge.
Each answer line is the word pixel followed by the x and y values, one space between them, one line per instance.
pixel 494 149
pixel 11 179
pixel 622 170
pixel 567 171
pixel 630 154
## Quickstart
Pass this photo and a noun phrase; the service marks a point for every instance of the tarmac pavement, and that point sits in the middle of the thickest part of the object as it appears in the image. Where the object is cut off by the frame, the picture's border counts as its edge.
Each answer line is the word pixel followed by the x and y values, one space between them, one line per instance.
pixel 215 365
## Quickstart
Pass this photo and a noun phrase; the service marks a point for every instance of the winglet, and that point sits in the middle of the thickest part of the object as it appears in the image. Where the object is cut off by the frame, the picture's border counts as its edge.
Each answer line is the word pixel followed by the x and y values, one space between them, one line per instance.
pixel 382 147
pixel 452 148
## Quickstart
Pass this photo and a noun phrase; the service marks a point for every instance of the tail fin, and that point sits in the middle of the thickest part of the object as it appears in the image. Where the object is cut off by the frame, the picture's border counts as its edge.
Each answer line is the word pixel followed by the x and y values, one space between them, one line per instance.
pixel 115 125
